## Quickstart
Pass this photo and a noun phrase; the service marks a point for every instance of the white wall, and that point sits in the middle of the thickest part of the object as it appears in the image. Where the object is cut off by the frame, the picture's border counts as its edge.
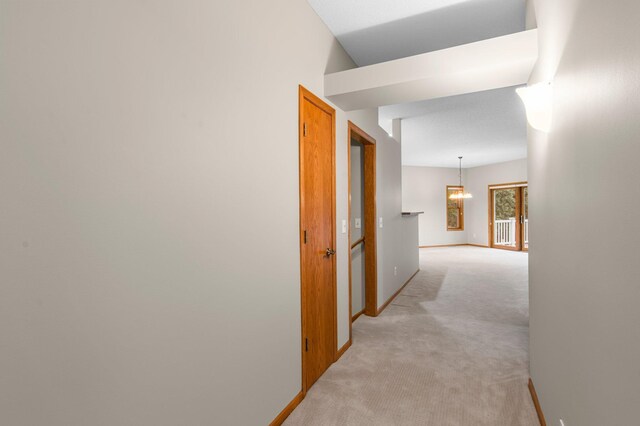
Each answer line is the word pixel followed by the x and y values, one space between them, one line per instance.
pixel 477 181
pixel 584 195
pixel 424 189
pixel 393 250
pixel 357 279
pixel 133 290
pixel 410 260
pixel 357 210
pixel 530 21
pixel 357 190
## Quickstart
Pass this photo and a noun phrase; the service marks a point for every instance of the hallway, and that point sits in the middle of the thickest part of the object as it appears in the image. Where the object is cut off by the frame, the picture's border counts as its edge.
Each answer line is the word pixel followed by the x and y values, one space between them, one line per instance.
pixel 452 349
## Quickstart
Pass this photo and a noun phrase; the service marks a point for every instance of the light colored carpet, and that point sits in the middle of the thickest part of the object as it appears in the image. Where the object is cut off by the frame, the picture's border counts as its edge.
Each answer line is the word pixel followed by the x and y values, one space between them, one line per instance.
pixel 450 350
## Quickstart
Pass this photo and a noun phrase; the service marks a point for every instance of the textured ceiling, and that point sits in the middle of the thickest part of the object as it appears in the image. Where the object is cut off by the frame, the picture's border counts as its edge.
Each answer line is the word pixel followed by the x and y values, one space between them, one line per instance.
pixel 345 16
pixel 374 31
pixel 485 127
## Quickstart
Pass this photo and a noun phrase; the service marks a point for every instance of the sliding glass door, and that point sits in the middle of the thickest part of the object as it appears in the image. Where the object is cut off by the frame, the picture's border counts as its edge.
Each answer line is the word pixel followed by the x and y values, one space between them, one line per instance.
pixel 509 216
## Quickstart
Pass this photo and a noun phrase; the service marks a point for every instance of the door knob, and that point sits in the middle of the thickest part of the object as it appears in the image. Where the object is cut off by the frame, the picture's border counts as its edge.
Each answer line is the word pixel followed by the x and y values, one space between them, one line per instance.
pixel 330 252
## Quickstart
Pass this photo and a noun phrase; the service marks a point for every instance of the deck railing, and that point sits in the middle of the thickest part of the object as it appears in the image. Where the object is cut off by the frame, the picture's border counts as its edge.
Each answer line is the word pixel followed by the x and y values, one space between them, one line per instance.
pixel 505 232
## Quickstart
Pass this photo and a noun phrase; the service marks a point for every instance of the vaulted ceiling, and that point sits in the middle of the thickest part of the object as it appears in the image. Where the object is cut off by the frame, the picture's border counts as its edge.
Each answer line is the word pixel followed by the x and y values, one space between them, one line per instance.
pixel 486 127
pixel 374 31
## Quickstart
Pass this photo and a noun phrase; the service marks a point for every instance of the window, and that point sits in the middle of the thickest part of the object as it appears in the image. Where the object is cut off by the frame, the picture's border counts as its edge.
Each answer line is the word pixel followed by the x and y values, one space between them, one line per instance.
pixel 455 209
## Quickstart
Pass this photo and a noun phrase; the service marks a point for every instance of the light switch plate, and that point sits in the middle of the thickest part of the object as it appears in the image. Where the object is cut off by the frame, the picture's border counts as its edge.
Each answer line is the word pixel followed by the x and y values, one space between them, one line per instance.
pixel 358 223
pixel 380 223
pixel 344 226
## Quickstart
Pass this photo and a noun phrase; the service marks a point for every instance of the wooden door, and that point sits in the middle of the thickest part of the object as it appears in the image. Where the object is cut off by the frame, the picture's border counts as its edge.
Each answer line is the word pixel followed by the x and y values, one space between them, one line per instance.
pixel 317 236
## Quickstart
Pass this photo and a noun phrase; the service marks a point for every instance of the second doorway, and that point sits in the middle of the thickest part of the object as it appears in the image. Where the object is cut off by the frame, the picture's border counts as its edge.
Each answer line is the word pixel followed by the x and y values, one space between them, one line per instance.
pixel 509 216
pixel 362 227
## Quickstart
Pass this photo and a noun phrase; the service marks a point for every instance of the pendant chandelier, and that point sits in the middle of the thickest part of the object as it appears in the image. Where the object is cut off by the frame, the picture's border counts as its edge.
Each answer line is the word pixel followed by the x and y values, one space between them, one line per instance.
pixel 460 194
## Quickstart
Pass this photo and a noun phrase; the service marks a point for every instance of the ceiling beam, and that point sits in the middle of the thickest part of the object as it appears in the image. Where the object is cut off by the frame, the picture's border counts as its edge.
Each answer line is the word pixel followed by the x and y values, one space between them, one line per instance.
pixel 484 65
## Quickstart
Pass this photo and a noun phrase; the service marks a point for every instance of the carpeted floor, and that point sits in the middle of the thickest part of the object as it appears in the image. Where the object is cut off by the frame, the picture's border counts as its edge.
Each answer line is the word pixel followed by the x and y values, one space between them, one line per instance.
pixel 450 350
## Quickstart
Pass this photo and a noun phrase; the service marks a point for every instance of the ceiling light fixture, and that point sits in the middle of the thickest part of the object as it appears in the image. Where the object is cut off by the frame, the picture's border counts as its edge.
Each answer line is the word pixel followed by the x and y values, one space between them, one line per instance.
pixel 538 101
pixel 460 194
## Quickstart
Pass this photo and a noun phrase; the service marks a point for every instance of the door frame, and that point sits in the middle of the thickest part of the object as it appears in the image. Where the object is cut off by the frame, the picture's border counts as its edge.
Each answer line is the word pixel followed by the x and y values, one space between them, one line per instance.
pixel 370 228
pixel 519 229
pixel 522 228
pixel 304 94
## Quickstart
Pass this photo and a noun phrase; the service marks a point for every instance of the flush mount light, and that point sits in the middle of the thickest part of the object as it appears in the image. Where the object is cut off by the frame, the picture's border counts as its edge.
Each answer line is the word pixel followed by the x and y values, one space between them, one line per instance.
pixel 538 101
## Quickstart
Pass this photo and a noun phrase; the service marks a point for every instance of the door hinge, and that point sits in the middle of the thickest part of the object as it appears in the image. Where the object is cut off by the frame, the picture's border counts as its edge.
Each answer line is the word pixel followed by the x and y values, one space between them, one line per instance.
pixel 305 237
pixel 304 129
pixel 306 344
